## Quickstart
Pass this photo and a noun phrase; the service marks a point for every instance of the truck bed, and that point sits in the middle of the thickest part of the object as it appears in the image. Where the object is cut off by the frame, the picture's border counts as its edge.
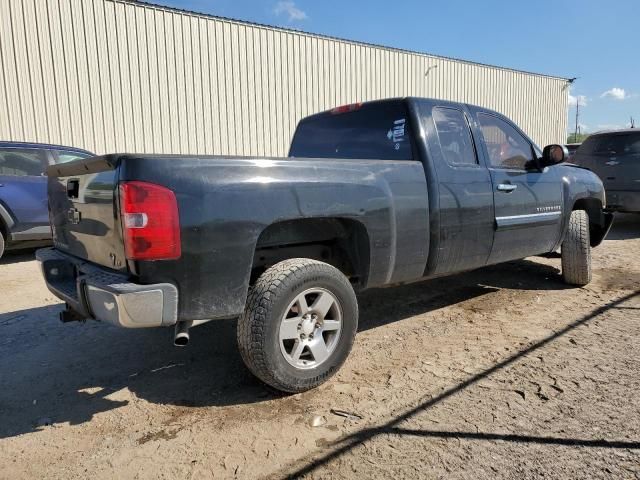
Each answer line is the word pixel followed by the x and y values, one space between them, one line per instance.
pixel 226 203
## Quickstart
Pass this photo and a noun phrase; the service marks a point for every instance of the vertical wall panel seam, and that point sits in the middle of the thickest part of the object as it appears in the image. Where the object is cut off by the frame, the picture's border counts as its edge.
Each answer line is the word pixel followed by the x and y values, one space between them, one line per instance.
pixel 77 79
pixel 28 72
pixel 218 87
pixel 6 88
pixel 44 89
pixel 167 75
pixel 92 144
pixel 149 60
pixel 100 76
pixel 15 62
pixel 122 111
pixel 110 76
pixel 193 81
pixel 64 67
pixel 147 80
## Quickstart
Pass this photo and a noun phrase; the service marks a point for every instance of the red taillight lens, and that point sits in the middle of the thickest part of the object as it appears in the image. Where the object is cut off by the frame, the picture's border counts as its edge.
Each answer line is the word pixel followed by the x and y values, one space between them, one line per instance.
pixel 150 221
pixel 346 108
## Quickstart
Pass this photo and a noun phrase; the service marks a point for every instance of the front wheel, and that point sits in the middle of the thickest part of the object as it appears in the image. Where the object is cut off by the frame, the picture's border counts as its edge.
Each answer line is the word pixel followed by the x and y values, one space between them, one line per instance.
pixel 576 250
pixel 2 243
pixel 299 324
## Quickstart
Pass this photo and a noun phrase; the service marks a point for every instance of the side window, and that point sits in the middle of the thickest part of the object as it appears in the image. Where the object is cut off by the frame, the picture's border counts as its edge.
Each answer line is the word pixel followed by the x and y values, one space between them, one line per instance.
pixel 454 136
pixel 21 162
pixel 62 156
pixel 507 147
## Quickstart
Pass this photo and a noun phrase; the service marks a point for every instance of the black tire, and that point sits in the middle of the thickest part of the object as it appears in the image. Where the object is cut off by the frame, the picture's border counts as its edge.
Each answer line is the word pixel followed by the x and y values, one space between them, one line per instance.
pixel 268 303
pixel 2 244
pixel 576 250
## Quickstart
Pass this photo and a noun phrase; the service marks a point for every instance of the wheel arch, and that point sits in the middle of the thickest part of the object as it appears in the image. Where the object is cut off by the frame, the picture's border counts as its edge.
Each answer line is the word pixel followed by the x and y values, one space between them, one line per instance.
pixel 599 221
pixel 341 242
pixel 6 221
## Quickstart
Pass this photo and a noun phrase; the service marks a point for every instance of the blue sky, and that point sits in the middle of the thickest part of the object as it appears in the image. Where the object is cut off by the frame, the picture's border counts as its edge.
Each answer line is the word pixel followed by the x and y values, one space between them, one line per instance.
pixel 593 40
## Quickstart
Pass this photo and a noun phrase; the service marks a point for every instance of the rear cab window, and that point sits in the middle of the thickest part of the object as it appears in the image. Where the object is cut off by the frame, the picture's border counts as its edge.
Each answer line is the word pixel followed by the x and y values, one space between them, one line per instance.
pixel 22 162
pixel 376 130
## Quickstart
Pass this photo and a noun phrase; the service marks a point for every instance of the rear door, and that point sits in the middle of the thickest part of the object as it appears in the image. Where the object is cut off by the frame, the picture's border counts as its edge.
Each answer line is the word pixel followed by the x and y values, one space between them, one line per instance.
pixel 465 195
pixel 527 202
pixel 23 189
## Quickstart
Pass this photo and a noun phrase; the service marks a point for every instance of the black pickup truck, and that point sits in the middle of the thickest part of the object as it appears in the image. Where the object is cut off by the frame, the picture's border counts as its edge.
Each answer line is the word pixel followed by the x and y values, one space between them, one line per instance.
pixel 371 194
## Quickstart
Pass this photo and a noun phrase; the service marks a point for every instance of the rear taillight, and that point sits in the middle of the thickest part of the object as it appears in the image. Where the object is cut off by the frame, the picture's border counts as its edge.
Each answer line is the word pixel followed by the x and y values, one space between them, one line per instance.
pixel 150 221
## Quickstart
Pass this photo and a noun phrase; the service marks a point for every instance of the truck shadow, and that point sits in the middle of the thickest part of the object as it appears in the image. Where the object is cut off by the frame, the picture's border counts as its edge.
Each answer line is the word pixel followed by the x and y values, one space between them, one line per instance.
pixel 55 373
pixel 18 256
pixel 386 305
pixel 625 226
pixel 395 426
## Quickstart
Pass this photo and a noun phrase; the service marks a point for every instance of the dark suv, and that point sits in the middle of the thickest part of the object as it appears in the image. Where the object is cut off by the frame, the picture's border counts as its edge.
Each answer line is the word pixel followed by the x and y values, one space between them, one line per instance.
pixel 615 157
pixel 24 220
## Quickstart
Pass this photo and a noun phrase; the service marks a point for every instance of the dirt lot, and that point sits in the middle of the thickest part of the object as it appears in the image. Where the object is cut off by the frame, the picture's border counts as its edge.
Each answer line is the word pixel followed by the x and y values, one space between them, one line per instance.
pixel 504 372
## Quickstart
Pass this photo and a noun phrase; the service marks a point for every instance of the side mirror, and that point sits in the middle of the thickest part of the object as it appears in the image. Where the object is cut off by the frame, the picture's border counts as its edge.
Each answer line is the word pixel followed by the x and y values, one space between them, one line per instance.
pixel 553 155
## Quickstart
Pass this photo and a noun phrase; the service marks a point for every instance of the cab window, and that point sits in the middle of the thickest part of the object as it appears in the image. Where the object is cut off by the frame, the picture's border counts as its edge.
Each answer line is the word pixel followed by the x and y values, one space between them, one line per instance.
pixel 507 148
pixel 454 136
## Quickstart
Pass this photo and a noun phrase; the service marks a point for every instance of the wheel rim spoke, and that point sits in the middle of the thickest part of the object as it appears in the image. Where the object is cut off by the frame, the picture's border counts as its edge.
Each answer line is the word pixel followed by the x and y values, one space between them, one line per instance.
pixel 330 325
pixel 323 304
pixel 301 302
pixel 319 350
pixel 289 328
pixel 297 351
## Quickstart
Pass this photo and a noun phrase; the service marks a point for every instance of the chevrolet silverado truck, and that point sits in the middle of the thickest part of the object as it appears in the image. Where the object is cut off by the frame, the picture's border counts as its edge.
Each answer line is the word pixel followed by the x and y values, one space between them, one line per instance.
pixel 371 194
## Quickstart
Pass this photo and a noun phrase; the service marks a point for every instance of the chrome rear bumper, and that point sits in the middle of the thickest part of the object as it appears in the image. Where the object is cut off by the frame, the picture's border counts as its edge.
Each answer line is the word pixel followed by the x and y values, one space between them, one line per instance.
pixel 98 293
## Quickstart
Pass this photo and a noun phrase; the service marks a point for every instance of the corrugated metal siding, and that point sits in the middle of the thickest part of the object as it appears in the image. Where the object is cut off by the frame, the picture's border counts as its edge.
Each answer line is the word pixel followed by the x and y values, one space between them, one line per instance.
pixel 113 76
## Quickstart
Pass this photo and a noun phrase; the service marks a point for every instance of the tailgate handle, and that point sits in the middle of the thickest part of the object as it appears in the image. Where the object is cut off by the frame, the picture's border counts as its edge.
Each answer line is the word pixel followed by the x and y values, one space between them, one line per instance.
pixel 73 188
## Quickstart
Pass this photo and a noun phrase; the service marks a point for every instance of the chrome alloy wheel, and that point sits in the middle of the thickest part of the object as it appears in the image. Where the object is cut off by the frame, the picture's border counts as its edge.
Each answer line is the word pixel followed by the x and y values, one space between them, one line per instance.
pixel 310 328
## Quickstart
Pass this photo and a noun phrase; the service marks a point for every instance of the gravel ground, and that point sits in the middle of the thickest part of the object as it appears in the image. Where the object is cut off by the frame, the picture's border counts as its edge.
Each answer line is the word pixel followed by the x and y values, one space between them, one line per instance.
pixel 504 372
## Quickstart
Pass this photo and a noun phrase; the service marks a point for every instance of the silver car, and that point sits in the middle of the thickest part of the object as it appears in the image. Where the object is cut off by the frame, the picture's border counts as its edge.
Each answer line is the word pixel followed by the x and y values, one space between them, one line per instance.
pixel 615 157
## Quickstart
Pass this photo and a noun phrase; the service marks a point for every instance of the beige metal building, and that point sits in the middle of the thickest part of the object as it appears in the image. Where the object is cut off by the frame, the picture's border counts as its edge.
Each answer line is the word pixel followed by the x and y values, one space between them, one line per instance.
pixel 117 75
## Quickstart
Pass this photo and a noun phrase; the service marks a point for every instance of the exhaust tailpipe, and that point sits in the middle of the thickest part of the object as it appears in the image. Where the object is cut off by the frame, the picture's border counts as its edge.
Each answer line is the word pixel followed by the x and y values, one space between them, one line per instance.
pixel 181 338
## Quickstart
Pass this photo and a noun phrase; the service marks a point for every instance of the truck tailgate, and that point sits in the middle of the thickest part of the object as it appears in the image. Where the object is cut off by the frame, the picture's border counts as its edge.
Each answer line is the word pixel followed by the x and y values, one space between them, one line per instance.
pixel 84 211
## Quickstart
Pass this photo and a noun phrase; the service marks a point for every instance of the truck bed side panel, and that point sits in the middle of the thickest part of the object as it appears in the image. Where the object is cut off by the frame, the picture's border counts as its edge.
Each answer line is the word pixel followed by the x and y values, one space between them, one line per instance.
pixel 225 204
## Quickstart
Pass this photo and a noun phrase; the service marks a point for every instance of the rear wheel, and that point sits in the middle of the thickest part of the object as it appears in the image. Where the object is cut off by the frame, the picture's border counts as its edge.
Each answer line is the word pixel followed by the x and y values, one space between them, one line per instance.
pixel 2 244
pixel 299 324
pixel 576 250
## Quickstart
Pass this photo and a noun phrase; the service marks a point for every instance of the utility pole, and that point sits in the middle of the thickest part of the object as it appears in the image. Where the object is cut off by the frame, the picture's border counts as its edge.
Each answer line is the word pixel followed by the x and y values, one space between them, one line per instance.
pixel 633 123
pixel 575 135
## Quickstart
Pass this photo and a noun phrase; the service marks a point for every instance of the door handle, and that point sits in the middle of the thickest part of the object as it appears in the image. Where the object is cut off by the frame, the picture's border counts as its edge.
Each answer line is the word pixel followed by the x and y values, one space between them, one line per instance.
pixel 507 187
